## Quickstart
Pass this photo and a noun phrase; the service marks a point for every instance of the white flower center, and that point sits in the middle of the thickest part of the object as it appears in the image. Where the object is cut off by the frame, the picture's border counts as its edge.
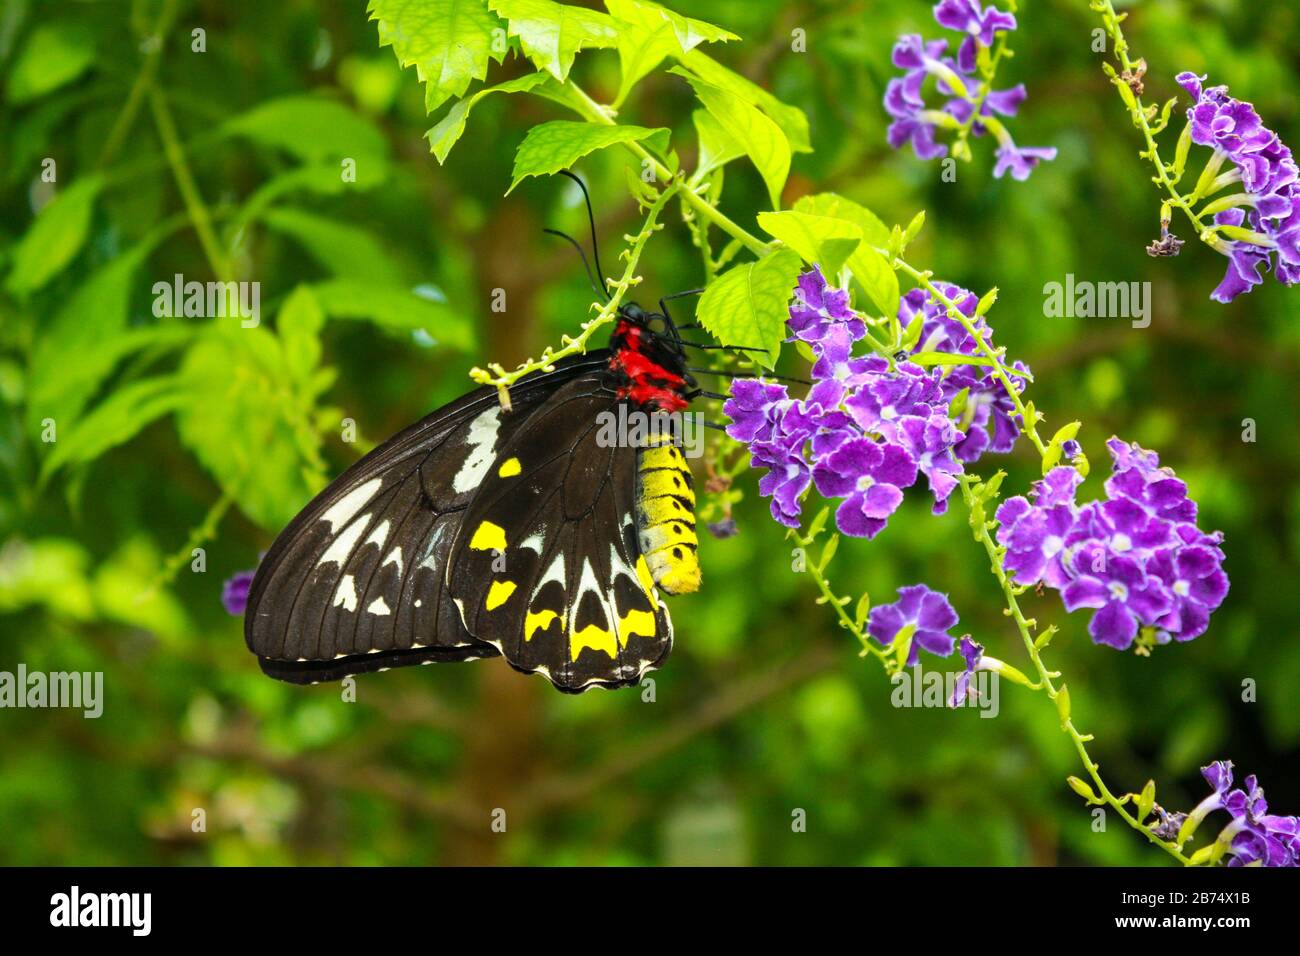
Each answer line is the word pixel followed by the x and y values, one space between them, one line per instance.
pixel 865 482
pixel 1182 588
pixel 1121 542
pixel 1052 544
pixel 1118 591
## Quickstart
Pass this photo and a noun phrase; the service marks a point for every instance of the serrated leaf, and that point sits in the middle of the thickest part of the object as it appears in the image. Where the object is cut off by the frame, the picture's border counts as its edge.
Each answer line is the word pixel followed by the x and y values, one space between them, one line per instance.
pixel 551 147
pixel 647 33
pixel 344 249
pixel 874 231
pixel 821 240
pixel 444 135
pixel 791 119
pixel 748 304
pixel 763 141
pixel 55 237
pixel 551 34
pixel 312 128
pixel 449 42
pixel 395 309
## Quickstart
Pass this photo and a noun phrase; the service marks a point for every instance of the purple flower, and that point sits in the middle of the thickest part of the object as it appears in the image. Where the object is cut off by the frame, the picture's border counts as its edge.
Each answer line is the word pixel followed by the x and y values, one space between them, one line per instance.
pixel 925 614
pixel 930 442
pixel 966 16
pixel 1020 160
pixel 819 308
pixel 869 476
pixel 754 409
pixel 1197 585
pixel 234 592
pixel 1118 587
pixel 973 655
pixel 1271 178
pixel 1252 836
pixel 970 103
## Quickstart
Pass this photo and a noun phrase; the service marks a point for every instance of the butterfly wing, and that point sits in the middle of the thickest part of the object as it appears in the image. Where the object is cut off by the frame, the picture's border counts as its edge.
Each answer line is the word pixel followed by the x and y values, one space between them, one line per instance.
pixel 547 566
pixel 355 583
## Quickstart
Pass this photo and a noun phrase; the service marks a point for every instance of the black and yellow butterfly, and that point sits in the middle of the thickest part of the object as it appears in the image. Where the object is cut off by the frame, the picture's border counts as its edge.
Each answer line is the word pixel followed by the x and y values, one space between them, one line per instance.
pixel 483 530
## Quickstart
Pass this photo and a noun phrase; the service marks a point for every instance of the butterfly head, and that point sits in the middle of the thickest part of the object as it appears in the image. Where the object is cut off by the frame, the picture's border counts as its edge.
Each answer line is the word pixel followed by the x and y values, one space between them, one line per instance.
pixel 648 360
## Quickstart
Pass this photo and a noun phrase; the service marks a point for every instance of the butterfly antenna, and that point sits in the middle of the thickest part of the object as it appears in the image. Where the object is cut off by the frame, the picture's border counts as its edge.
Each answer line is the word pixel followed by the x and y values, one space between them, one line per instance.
pixel 756 374
pixel 601 292
pixel 591 221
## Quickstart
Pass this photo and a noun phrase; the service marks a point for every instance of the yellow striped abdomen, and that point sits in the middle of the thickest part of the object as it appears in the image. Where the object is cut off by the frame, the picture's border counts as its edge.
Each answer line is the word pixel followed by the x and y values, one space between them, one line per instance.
pixel 666 519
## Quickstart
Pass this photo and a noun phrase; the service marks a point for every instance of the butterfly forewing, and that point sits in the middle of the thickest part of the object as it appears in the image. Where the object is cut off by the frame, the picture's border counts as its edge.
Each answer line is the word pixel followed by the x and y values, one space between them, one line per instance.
pixel 356 582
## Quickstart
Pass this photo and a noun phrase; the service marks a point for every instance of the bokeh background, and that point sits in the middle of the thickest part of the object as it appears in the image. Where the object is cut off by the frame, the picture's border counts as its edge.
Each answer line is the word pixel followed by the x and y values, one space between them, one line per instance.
pixel 172 439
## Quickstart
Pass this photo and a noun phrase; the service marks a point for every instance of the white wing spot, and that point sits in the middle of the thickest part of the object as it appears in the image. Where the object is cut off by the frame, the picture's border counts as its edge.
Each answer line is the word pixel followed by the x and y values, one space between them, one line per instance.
pixel 342 546
pixel 378 607
pixel 345 595
pixel 380 534
pixel 535 541
pixel 482 440
pixel 341 512
pixel 394 557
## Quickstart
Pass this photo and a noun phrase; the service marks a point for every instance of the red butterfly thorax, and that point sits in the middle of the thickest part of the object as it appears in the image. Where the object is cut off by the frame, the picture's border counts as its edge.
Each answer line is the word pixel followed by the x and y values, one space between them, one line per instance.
pixel 644 369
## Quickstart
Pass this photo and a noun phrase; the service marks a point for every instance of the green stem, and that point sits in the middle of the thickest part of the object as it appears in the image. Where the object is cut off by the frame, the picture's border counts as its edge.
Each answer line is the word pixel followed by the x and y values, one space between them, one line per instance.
pixel 981 528
pixel 142 85
pixel 595 113
pixel 1138 112
pixel 194 204
pixel 1003 374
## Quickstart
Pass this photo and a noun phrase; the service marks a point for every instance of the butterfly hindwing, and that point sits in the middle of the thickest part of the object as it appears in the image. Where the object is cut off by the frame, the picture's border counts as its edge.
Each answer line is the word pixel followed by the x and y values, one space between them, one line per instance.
pixel 546 566
pixel 356 582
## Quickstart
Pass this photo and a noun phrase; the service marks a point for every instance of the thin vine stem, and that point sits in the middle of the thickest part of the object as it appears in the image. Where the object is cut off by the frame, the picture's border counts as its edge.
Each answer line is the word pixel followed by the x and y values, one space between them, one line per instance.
pixel 983 534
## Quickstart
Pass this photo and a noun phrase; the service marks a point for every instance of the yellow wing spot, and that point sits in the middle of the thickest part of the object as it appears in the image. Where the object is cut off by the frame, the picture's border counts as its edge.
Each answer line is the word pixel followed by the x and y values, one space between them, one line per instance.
pixel 636 623
pixel 597 638
pixel 498 594
pixel 540 621
pixel 488 537
pixel 509 468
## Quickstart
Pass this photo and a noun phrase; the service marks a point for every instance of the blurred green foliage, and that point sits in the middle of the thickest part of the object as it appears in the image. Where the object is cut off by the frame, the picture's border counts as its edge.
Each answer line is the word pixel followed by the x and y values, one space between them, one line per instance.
pixel 176 433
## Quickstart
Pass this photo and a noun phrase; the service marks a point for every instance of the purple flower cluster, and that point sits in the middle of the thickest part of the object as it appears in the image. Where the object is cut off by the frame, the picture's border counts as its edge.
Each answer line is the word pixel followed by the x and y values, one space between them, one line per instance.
pixel 1253 836
pixel 868 426
pixel 1270 177
pixel 1136 558
pixel 955 80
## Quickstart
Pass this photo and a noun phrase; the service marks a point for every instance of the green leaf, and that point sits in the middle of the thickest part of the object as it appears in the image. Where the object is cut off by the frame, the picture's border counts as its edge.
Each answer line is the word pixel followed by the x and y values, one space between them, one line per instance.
pixel 443 136
pixel 762 139
pixel 551 34
pixel 449 42
pixel 717 147
pixel 877 278
pixel 116 420
pixel 299 323
pixel 344 249
pixel 313 129
pixel 875 232
pixel 647 33
pixel 395 309
pixel 55 238
pixel 246 424
pixel 820 240
pixel 747 305
pixel 55 54
pixel 949 358
pixel 559 144
pixel 791 119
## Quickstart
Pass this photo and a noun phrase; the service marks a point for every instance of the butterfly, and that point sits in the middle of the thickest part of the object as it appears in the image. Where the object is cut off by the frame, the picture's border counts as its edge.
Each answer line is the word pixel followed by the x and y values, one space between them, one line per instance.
pixel 486 530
